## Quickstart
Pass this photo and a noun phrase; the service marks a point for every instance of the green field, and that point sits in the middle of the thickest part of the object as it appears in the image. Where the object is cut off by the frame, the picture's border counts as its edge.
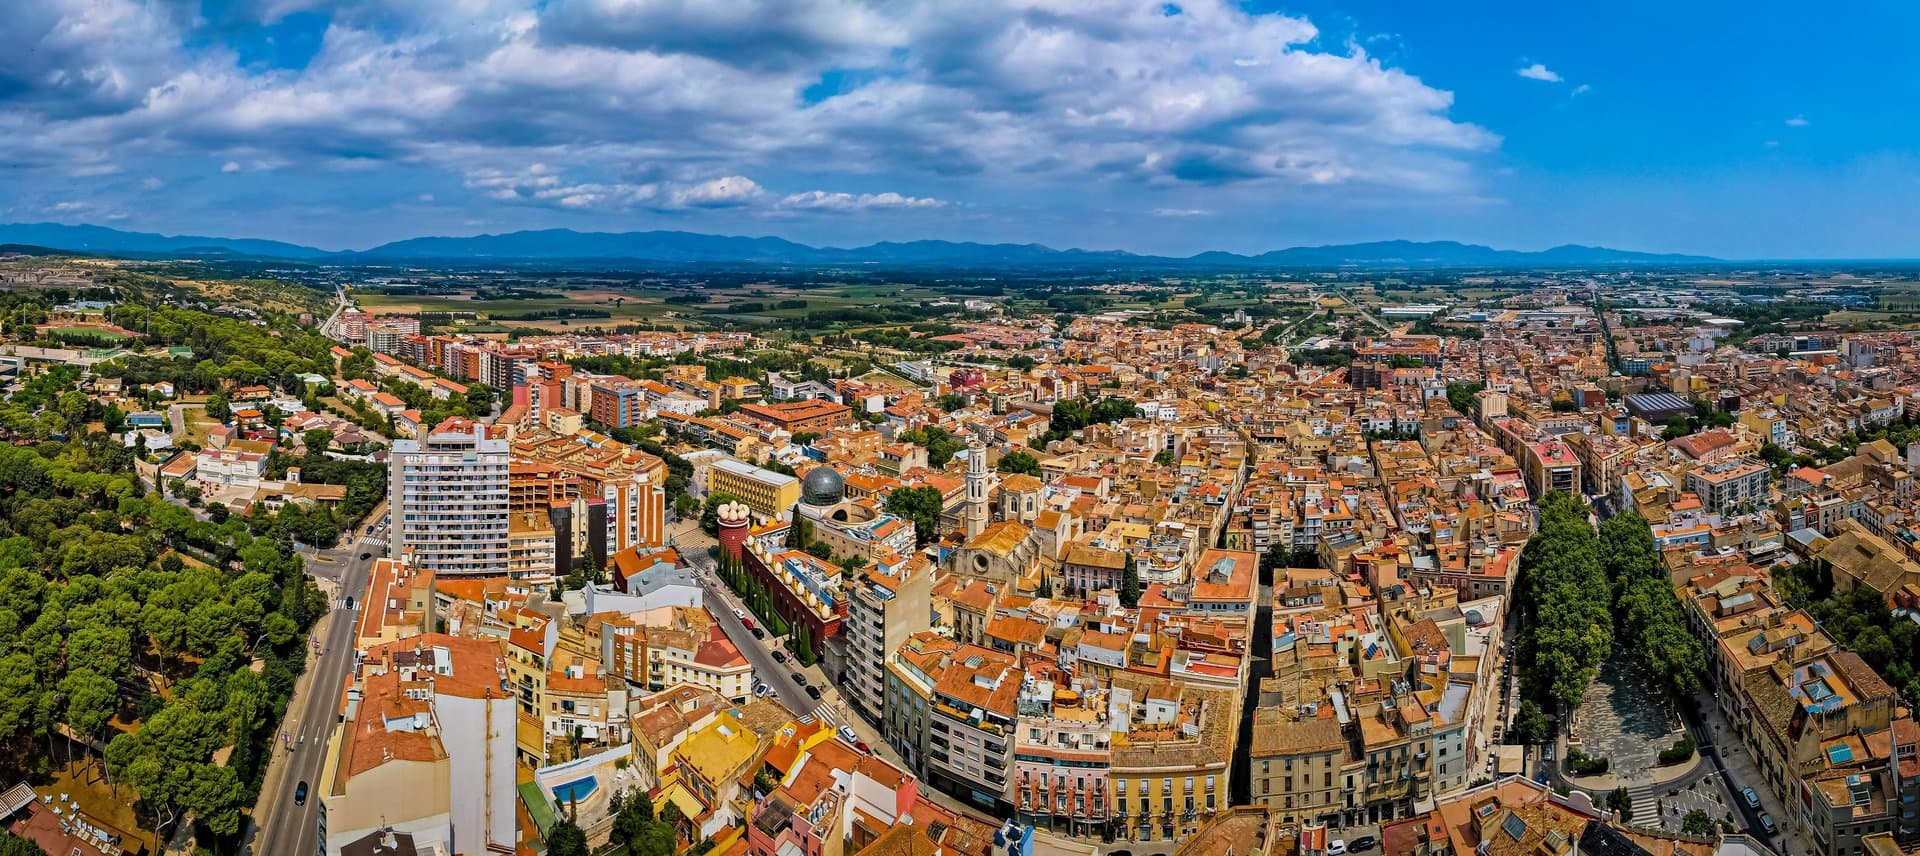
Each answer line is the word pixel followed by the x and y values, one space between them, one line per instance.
pixel 90 334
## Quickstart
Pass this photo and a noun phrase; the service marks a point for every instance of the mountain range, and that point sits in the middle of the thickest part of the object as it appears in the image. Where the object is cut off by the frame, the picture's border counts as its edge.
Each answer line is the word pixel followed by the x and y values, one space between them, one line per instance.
pixel 558 245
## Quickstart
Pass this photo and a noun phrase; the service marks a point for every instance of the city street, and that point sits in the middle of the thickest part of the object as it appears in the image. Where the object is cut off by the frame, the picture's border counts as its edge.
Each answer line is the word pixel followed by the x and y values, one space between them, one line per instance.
pixel 693 544
pixel 279 824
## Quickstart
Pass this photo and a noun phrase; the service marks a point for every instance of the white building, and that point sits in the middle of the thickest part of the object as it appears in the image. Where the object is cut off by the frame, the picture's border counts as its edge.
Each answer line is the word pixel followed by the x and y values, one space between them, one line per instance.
pixel 449 495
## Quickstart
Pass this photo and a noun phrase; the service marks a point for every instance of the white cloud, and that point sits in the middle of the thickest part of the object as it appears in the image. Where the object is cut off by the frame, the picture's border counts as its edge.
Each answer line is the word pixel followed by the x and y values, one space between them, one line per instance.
pixel 152 183
pixel 1537 71
pixel 820 200
pixel 1582 89
pixel 1181 212
pixel 1797 122
pixel 673 104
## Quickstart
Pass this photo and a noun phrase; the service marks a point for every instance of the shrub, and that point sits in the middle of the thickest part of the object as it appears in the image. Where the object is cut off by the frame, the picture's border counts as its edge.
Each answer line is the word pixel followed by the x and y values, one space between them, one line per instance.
pixel 1679 752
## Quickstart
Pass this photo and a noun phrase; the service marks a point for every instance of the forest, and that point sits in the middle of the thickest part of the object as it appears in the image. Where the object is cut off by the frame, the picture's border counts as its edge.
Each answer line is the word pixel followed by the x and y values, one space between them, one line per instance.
pixel 127 620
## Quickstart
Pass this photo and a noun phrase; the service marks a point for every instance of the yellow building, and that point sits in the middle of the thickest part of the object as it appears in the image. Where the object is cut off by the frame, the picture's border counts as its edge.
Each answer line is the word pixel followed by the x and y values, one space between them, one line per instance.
pixel 767 493
pixel 708 767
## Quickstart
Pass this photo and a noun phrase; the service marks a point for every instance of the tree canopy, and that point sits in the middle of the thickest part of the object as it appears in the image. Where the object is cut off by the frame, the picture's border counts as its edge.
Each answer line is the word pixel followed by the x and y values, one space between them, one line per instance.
pixel 1566 620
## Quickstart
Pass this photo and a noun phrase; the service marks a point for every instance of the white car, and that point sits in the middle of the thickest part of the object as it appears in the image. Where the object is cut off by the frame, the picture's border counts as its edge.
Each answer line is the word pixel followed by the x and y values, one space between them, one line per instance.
pixel 740 614
pixel 848 735
pixel 1337 847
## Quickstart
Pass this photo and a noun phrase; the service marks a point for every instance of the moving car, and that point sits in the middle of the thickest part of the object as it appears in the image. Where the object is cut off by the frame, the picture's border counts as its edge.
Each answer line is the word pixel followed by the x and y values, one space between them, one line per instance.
pixel 300 793
pixel 365 556
pixel 1752 798
pixel 1361 844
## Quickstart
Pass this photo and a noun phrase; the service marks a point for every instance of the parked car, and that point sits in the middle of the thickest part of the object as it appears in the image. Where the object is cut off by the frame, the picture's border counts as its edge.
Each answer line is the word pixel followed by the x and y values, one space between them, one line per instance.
pixel 740 614
pixel 846 733
pixel 300 794
pixel 779 656
pixel 863 748
pixel 814 693
pixel 799 679
pixel 1766 823
pixel 1336 847
pixel 1361 844
pixel 1752 798
pixel 758 633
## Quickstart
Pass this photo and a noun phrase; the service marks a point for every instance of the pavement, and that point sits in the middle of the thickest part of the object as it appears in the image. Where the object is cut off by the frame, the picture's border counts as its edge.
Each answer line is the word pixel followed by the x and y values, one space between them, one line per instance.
pixel 278 824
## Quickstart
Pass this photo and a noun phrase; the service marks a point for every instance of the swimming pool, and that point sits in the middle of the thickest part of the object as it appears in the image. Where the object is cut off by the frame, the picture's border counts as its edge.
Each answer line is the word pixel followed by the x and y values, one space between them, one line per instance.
pixel 576 790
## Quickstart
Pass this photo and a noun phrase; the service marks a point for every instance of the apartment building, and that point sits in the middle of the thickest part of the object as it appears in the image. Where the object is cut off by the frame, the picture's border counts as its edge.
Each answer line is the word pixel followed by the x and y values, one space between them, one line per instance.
pixel 889 602
pixel 448 491
pixel 424 747
pixel 969 740
pixel 1726 486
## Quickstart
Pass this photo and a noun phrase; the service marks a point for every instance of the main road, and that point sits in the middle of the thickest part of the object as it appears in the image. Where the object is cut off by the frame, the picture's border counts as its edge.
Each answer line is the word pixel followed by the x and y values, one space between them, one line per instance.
pixel 281 825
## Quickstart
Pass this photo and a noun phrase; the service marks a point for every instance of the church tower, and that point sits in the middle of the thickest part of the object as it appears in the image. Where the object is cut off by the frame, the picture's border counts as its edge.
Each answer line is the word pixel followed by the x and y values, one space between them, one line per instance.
pixel 977 476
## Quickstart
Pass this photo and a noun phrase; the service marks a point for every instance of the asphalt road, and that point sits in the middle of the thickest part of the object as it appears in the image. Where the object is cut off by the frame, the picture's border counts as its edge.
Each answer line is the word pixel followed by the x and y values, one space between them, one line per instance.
pixel 282 827
pixel 693 544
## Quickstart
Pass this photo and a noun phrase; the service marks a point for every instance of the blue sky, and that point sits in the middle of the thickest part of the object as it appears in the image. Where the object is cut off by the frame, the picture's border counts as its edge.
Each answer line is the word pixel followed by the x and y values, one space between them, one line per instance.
pixel 1744 130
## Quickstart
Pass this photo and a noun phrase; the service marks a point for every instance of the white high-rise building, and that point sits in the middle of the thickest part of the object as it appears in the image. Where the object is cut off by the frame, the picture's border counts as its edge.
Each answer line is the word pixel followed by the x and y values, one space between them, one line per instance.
pixel 448 496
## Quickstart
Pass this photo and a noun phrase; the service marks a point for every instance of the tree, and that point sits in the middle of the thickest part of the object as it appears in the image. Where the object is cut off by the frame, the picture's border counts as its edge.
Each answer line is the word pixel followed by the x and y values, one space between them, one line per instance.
pixel 317 439
pixel 1530 726
pixel 1163 458
pixel 91 699
pixel 951 401
pixel 1697 822
pixel 1621 801
pixel 113 419
pixel 218 408
pixel 1022 462
pixel 1130 585
pixel 920 506
pixel 10 845
pixel 479 399
pixel 566 839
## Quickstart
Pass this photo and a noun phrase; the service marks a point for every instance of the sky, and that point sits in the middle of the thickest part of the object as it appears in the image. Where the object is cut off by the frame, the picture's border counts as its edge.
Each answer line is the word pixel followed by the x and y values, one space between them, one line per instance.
pixel 1743 130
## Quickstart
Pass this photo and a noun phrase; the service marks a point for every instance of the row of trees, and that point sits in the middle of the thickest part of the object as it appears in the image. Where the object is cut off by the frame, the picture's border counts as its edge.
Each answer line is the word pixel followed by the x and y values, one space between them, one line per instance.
pixel 1648 619
pixel 1565 604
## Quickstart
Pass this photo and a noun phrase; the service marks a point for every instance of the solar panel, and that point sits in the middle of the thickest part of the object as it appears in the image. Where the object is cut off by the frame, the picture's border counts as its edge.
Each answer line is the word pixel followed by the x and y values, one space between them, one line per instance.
pixel 1514 827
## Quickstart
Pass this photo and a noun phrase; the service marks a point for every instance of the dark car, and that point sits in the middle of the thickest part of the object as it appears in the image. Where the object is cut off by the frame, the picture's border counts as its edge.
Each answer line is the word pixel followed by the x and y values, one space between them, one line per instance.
pixel 779 656
pixel 1119 853
pixel 759 634
pixel 349 603
pixel 1361 844
pixel 300 794
pixel 814 693
pixel 365 556
pixel 799 679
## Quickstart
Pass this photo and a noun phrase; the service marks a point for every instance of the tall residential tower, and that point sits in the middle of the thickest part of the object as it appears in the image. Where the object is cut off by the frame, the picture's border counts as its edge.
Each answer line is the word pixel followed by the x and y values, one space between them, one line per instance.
pixel 449 500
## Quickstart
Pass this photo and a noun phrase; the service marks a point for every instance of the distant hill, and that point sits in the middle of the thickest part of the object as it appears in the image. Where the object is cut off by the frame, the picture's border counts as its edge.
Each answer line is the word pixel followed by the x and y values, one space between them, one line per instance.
pixel 100 239
pixel 553 245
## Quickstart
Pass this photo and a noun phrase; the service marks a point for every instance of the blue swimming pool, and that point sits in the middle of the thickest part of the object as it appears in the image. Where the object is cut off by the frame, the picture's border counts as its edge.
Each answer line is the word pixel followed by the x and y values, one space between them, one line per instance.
pixel 576 790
